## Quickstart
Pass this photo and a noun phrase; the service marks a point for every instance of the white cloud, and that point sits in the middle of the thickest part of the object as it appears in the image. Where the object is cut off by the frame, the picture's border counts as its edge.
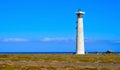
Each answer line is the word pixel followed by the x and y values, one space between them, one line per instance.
pixel 47 39
pixel 117 41
pixel 56 39
pixel 14 40
pixel 91 40
pixel 87 40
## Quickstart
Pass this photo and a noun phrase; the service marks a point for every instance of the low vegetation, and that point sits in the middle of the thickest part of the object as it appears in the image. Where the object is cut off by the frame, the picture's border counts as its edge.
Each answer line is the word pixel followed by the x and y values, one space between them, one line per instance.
pixel 107 58
pixel 35 61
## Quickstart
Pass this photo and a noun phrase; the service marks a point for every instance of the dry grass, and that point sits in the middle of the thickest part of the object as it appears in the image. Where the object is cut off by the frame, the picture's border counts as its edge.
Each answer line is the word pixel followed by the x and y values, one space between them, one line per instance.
pixel 9 67
pixel 108 58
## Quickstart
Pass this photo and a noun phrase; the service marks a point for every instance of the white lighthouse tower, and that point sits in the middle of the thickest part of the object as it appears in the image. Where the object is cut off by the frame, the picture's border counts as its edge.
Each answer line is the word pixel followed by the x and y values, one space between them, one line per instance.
pixel 80 33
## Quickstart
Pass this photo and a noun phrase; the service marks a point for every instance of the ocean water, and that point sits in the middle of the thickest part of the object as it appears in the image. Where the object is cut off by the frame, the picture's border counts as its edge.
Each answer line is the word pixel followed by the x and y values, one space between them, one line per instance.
pixel 55 46
pixel 37 46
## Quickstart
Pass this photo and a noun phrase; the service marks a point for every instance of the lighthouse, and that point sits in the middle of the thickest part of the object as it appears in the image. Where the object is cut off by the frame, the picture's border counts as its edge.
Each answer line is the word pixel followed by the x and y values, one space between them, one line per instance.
pixel 80 33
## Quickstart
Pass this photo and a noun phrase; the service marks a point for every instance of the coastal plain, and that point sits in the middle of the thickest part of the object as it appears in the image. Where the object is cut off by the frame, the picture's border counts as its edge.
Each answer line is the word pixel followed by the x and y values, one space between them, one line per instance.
pixel 59 62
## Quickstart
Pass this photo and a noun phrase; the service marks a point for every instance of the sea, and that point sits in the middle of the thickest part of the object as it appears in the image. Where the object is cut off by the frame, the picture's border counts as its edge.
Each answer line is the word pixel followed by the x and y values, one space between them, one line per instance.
pixel 55 47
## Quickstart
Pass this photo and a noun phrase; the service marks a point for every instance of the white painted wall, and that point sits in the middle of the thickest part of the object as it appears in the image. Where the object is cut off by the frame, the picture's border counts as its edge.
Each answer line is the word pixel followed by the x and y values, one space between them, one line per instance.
pixel 80 35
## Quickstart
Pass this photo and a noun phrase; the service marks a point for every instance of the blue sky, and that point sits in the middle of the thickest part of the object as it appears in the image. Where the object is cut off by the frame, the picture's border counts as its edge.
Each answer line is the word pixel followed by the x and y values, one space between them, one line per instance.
pixel 38 20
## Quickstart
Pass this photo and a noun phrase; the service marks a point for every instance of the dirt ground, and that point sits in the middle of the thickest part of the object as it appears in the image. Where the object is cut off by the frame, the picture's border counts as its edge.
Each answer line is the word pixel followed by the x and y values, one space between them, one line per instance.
pixel 60 64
